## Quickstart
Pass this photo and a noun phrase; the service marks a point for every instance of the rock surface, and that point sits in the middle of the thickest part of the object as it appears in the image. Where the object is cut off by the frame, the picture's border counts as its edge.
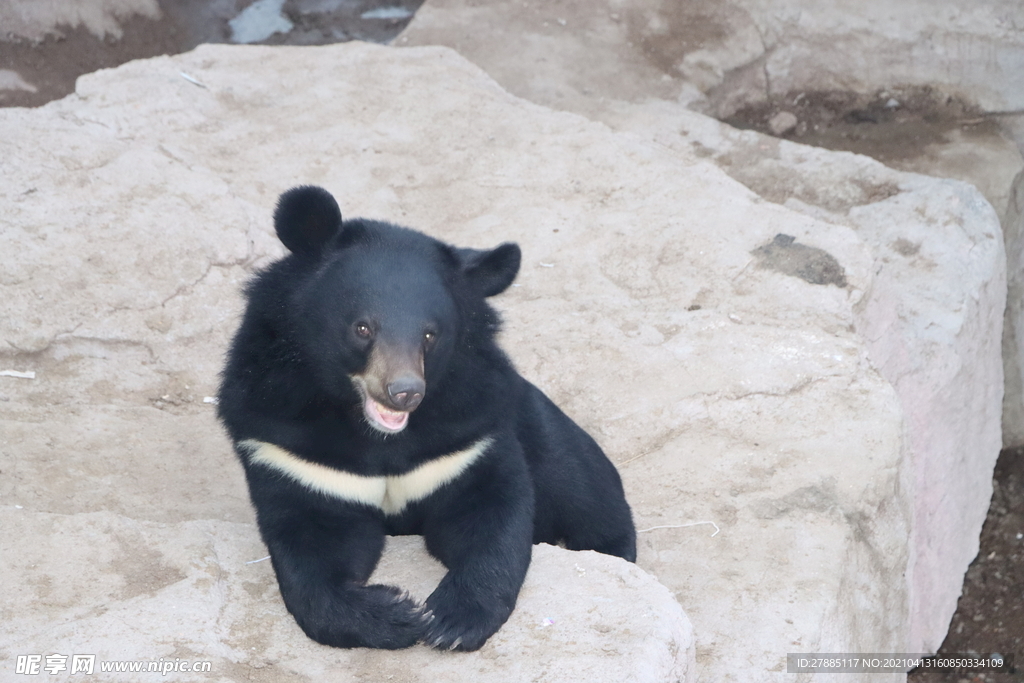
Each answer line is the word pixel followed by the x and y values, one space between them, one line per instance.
pixel 875 44
pixel 656 304
pixel 195 591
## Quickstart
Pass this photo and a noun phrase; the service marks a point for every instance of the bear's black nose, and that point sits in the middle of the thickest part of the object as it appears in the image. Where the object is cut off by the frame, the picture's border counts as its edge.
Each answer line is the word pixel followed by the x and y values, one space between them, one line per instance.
pixel 406 392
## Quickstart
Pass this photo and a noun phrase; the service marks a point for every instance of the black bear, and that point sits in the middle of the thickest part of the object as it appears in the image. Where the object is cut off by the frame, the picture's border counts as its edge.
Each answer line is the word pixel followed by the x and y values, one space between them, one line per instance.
pixel 366 396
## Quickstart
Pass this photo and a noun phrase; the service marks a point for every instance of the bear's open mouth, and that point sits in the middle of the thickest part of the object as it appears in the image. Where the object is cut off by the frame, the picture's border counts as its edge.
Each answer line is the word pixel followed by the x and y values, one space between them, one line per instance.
pixel 383 418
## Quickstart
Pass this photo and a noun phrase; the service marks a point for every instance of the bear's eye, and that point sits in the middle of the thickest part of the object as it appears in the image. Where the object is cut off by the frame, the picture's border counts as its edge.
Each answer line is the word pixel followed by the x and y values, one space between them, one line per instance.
pixel 363 331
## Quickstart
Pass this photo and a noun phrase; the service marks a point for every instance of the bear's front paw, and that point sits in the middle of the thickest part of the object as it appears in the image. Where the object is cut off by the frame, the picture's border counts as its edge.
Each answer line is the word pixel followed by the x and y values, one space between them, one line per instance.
pixel 365 616
pixel 461 623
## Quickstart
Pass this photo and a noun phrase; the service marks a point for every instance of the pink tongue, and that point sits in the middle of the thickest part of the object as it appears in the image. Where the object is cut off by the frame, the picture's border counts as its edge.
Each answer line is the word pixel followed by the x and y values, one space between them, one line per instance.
pixel 391 420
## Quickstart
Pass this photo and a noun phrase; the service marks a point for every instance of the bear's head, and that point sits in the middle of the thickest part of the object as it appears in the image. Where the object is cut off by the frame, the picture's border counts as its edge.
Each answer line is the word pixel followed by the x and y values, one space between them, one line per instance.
pixel 379 310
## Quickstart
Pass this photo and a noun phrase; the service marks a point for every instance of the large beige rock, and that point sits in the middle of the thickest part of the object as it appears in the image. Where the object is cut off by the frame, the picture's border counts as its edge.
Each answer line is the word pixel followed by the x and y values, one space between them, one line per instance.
pixel 974 50
pixel 656 304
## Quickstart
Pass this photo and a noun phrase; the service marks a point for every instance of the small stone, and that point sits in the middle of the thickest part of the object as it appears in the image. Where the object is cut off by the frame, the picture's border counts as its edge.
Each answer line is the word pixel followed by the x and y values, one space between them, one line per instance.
pixel 12 80
pixel 782 123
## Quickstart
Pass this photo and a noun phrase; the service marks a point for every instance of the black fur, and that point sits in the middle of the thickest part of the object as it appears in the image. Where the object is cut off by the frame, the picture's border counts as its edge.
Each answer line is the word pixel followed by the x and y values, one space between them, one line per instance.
pixel 407 316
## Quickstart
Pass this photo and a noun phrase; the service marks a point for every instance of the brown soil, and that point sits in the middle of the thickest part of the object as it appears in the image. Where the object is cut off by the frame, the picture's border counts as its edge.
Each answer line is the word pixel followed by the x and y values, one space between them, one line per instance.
pixel 893 126
pixel 890 126
pixel 990 615
pixel 53 64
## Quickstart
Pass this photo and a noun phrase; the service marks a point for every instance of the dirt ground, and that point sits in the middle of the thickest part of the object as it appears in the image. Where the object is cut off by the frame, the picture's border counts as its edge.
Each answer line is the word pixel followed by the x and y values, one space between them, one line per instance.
pixel 990 614
pixel 891 126
pixel 898 128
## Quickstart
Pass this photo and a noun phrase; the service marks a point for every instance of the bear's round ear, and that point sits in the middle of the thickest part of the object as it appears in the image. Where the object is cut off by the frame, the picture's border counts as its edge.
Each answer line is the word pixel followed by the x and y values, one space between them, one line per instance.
pixel 491 272
pixel 306 219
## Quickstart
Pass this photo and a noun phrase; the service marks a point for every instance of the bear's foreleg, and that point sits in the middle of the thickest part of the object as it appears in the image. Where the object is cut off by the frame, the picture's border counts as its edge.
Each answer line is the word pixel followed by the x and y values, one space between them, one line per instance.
pixel 322 563
pixel 484 537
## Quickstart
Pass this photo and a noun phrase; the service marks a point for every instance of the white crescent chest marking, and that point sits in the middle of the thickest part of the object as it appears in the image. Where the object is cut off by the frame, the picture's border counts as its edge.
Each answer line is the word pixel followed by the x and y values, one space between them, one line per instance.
pixel 390 494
